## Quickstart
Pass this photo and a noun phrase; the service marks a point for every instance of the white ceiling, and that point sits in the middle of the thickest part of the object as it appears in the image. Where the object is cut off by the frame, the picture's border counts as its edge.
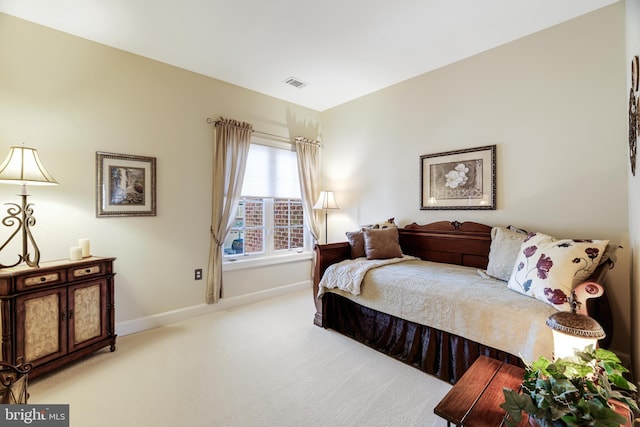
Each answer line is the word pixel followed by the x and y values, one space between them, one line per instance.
pixel 343 49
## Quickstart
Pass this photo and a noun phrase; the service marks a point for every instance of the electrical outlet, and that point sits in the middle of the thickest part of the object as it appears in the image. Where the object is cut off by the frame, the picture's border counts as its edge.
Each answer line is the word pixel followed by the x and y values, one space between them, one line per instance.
pixel 198 274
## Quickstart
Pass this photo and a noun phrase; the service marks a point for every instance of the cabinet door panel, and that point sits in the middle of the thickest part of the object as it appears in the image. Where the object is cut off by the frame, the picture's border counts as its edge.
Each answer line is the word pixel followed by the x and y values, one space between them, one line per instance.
pixel 41 324
pixel 87 313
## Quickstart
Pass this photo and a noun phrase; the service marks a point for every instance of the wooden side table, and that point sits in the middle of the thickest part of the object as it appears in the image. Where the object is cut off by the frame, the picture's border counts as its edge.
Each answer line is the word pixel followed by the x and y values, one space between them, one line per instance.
pixel 476 398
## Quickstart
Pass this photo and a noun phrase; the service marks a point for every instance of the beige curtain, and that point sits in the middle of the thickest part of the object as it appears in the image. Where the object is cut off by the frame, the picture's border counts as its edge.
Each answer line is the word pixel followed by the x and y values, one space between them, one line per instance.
pixel 308 153
pixel 230 154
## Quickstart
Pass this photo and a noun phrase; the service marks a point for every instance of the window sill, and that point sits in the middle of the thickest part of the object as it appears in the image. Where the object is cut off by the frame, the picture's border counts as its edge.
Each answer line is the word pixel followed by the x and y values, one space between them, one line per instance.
pixel 242 263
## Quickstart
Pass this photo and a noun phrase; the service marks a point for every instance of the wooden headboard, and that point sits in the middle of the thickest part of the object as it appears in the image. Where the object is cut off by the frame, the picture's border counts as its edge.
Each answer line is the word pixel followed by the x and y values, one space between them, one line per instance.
pixel 461 243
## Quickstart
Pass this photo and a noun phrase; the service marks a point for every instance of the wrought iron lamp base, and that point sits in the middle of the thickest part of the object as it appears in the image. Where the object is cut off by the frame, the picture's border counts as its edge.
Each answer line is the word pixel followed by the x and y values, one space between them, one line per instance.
pixel 22 215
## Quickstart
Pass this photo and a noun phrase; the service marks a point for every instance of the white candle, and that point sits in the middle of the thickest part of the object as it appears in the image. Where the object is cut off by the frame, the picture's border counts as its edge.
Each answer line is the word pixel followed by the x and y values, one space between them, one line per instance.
pixel 75 253
pixel 85 245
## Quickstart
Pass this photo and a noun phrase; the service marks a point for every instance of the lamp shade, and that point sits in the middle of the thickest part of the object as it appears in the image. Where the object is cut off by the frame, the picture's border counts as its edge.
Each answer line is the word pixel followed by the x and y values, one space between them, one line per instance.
pixel 23 166
pixel 573 331
pixel 326 201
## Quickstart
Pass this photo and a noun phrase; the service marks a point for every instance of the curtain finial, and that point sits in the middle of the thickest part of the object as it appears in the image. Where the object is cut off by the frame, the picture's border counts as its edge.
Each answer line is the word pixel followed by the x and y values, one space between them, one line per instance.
pixel 222 121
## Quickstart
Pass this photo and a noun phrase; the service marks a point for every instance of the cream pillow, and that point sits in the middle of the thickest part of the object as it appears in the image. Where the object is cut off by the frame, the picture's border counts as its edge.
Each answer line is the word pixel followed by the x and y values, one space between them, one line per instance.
pixel 505 246
pixel 548 268
pixel 382 243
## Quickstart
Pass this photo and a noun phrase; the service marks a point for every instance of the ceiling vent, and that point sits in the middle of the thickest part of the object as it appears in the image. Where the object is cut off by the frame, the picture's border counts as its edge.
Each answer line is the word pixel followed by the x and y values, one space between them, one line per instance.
pixel 297 83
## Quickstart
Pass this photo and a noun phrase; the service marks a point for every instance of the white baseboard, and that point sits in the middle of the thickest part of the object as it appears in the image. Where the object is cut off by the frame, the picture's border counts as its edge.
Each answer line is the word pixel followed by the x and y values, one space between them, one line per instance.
pixel 169 317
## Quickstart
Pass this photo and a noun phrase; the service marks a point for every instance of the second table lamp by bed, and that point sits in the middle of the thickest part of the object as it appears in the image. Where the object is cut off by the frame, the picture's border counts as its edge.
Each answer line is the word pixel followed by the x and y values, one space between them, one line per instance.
pixel 326 201
pixel 572 331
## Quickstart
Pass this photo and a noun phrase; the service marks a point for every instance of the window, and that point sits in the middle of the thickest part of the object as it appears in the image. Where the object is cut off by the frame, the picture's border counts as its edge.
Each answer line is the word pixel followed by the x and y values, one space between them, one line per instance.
pixel 270 216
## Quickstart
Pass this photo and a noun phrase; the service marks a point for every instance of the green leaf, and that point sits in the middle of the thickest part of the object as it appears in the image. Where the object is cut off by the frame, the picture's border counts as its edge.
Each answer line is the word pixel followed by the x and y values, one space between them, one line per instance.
pixel 515 403
pixel 620 381
pixel 604 416
pixel 607 356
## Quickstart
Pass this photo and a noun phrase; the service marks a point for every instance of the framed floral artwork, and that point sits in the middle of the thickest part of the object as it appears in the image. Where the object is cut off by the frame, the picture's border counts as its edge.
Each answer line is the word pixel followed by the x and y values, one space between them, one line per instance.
pixel 461 179
pixel 125 185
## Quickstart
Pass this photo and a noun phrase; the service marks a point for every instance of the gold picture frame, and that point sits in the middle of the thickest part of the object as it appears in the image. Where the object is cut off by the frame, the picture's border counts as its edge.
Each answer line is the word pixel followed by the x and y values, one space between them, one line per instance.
pixel 125 185
pixel 633 130
pixel 461 179
pixel 634 73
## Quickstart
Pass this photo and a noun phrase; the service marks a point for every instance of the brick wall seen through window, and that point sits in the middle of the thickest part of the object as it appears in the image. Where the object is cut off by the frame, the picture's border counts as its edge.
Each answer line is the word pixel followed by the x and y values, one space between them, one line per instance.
pixel 249 230
pixel 288 221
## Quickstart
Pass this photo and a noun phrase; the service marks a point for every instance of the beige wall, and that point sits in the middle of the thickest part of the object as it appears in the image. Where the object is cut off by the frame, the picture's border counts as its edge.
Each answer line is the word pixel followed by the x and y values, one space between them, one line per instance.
pixel 633 48
pixel 69 98
pixel 553 103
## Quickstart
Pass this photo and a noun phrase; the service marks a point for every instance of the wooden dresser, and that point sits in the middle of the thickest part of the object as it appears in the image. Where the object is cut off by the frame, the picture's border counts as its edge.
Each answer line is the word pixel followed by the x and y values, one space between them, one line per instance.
pixel 56 313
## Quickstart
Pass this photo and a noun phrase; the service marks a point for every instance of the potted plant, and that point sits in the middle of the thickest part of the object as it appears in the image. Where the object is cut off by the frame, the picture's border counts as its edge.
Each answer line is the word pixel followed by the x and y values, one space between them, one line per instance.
pixel 581 390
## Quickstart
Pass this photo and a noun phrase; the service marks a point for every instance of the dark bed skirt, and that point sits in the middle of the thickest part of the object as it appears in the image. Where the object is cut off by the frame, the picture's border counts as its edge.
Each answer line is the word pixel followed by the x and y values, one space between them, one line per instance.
pixel 444 355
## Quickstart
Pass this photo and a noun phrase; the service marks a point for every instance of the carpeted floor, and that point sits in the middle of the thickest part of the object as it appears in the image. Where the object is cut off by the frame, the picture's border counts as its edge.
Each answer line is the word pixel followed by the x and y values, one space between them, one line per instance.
pixel 265 364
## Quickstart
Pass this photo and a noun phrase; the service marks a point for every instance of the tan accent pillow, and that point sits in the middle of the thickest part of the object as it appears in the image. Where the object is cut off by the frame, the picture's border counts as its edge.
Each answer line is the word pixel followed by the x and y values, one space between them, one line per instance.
pixel 382 243
pixel 356 241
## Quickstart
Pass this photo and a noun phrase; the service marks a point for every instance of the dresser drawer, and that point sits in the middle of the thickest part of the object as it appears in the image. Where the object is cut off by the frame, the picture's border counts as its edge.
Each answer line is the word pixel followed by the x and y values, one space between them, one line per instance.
pixel 41 279
pixel 87 271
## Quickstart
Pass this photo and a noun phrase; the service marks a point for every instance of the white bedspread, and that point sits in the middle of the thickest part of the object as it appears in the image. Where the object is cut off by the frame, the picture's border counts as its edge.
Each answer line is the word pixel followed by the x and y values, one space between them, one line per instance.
pixel 460 301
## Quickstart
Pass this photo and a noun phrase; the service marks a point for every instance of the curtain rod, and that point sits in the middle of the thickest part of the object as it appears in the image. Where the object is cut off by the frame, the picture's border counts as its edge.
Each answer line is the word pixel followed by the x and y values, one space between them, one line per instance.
pixel 284 138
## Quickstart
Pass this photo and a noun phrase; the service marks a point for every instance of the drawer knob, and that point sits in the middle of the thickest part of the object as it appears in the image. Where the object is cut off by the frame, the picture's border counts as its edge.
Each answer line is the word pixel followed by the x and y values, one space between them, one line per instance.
pixel 43 279
pixel 88 270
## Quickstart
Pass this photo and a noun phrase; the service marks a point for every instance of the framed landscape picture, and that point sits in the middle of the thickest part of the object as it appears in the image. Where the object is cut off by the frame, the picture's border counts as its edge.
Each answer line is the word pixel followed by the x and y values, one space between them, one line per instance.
pixel 461 179
pixel 125 185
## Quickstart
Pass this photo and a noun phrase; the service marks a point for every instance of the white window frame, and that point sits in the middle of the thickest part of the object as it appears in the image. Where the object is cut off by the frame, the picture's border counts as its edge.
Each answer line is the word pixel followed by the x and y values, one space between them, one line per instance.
pixel 270 256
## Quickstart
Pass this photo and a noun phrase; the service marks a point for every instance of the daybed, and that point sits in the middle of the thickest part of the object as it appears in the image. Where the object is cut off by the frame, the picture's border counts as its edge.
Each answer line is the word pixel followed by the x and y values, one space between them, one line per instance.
pixel 442 322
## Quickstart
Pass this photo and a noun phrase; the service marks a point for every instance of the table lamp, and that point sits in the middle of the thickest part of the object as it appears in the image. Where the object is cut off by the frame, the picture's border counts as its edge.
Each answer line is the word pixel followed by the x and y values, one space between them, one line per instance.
pixel 573 331
pixel 22 166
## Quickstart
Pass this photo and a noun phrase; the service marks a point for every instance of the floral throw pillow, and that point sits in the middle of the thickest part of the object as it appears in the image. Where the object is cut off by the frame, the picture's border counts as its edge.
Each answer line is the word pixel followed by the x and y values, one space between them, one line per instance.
pixel 548 268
